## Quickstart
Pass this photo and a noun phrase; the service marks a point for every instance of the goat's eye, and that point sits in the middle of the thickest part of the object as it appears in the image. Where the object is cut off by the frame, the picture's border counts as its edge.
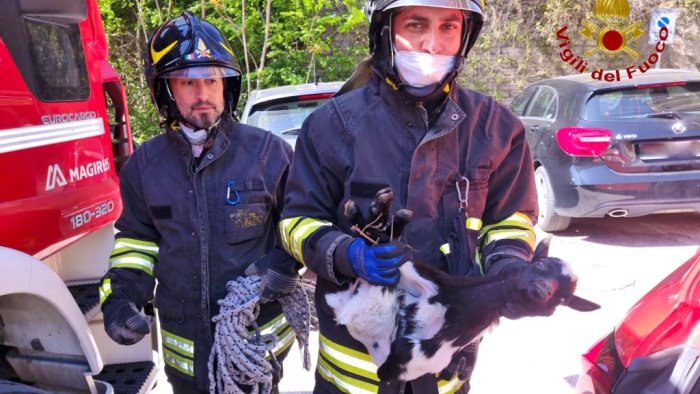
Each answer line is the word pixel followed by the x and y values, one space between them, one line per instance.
pixel 539 264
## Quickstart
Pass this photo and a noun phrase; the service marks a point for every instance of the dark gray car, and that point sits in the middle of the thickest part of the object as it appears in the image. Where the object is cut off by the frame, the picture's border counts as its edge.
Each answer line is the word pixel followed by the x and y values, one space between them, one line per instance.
pixel 626 148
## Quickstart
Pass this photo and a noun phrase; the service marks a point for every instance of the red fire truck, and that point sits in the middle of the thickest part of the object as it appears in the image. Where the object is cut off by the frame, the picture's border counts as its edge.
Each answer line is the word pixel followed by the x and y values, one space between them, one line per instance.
pixel 64 134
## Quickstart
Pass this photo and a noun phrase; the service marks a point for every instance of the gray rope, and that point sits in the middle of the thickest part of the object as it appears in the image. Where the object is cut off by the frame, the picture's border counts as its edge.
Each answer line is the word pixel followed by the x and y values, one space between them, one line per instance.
pixel 296 309
pixel 238 356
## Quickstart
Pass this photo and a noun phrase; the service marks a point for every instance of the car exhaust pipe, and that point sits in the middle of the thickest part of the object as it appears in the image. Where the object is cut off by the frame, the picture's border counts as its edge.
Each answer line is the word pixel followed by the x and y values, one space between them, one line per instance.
pixel 618 213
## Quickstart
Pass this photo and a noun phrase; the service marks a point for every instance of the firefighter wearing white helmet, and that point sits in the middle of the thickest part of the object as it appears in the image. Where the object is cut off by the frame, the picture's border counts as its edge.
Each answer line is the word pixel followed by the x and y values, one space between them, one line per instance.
pixel 420 74
pixel 454 157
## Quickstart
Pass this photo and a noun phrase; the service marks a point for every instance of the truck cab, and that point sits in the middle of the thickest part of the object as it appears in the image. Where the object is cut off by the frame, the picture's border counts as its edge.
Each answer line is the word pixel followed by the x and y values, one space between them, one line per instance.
pixel 64 135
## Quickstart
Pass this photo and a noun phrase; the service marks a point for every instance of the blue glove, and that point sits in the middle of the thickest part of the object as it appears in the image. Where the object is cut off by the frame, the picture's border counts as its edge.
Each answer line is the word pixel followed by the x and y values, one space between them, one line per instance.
pixel 377 264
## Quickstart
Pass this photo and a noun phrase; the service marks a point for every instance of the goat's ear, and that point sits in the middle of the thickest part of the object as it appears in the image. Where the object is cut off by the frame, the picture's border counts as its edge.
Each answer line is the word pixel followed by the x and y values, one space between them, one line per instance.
pixel 542 249
pixel 581 304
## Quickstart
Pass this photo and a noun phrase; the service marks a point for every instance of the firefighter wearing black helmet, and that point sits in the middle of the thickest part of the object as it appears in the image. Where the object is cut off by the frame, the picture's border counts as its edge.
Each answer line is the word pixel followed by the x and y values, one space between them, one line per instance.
pixel 201 203
pixel 454 157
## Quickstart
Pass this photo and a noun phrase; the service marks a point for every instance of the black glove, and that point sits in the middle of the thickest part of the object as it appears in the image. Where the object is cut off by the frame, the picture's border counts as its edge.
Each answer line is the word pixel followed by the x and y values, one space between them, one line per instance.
pixel 278 273
pixel 123 322
pixel 506 265
pixel 462 363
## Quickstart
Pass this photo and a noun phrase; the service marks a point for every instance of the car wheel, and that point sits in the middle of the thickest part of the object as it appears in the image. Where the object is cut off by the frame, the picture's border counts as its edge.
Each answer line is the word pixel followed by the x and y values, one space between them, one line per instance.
pixel 548 220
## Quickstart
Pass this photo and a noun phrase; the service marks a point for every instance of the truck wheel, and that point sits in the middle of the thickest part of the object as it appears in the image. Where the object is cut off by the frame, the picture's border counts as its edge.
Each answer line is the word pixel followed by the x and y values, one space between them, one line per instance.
pixel 548 219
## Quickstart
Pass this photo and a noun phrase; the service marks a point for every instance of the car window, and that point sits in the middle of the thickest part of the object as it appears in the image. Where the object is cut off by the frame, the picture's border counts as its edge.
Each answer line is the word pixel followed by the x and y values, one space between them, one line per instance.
pixel 279 117
pixel 48 49
pixel 544 104
pixel 519 103
pixel 645 102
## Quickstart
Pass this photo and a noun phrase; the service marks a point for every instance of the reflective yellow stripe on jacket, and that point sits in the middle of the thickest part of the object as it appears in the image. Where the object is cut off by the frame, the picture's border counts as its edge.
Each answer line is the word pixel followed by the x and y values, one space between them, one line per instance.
pixel 353 372
pixel 105 290
pixel 134 253
pixel 517 226
pixel 294 232
pixel 178 352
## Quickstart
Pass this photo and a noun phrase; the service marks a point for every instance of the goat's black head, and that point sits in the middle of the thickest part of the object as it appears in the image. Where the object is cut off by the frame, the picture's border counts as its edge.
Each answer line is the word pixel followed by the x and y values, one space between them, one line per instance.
pixel 544 284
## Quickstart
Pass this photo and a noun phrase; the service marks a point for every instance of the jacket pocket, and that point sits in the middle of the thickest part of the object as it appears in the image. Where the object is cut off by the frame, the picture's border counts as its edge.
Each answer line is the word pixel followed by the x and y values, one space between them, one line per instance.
pixel 476 202
pixel 171 309
pixel 245 221
pixel 478 191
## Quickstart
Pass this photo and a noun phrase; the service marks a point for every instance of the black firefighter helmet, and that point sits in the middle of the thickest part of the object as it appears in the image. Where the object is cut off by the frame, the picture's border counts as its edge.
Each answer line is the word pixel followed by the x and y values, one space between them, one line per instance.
pixel 187 46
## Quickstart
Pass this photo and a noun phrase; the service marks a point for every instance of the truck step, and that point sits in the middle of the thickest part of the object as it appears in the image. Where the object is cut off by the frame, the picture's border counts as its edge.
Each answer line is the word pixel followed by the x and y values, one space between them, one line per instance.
pixel 129 378
pixel 87 296
pixel 9 387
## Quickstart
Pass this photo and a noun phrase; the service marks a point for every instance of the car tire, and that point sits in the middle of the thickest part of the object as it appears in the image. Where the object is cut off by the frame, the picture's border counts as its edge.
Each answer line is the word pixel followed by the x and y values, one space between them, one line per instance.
pixel 548 219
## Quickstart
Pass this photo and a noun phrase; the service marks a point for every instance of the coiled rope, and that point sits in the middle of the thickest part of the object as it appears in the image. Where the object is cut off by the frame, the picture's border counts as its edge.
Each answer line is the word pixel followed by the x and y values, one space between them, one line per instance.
pixel 237 357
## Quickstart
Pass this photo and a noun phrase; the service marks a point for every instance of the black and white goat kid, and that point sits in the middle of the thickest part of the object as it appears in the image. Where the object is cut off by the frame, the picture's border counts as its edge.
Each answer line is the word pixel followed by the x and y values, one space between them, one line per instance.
pixel 420 325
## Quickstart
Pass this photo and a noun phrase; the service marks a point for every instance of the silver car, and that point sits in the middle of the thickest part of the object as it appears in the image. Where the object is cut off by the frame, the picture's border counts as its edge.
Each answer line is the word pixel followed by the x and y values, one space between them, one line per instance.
pixel 283 109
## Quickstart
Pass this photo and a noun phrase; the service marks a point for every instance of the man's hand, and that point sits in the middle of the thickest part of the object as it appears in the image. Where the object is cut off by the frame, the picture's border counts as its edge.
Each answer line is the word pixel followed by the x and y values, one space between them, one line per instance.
pixel 273 283
pixel 123 322
pixel 462 363
pixel 505 265
pixel 377 264
pixel 278 274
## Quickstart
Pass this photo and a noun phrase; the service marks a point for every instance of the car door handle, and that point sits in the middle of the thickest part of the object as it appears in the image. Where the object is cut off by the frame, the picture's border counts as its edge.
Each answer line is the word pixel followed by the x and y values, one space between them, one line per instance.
pixel 534 128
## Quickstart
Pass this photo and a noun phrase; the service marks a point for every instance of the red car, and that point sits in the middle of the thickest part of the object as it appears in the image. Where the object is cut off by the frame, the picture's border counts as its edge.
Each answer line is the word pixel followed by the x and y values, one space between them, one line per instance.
pixel 656 348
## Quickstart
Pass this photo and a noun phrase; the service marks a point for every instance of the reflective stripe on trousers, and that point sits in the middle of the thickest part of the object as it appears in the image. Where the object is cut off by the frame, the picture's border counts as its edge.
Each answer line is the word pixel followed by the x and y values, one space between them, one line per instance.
pixel 351 371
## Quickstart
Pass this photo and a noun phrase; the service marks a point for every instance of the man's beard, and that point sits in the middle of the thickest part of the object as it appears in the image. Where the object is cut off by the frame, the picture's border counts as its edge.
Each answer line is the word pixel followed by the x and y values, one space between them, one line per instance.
pixel 203 120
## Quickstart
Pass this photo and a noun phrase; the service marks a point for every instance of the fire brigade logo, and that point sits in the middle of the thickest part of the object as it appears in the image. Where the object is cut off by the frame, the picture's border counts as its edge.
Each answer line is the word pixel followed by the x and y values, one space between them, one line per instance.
pixel 614 34
pixel 202 50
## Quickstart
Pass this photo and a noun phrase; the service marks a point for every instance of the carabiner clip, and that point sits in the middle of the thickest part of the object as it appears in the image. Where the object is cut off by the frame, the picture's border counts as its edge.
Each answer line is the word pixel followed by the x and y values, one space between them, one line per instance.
pixel 228 194
pixel 463 198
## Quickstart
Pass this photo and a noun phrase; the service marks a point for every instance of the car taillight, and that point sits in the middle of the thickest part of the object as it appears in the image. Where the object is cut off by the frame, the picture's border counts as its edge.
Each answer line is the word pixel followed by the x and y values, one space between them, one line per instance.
pixel 315 96
pixel 660 85
pixel 577 141
pixel 602 367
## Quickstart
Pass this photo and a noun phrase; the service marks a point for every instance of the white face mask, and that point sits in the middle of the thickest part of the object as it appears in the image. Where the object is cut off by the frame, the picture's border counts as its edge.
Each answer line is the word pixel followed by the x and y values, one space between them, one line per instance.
pixel 420 69
pixel 197 138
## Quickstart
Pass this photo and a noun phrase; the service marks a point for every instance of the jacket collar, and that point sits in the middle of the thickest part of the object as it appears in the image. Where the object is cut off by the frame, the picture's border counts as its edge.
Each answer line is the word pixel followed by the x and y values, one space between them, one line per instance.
pixel 449 117
pixel 223 135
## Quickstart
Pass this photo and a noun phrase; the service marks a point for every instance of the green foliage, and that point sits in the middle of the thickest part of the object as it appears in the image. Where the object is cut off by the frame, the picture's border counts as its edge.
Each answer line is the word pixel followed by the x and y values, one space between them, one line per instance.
pixel 308 40
pixel 322 40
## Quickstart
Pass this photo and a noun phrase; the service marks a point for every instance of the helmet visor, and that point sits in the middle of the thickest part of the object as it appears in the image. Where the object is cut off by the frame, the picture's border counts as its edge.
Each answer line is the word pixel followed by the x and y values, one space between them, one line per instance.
pixel 464 5
pixel 202 72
